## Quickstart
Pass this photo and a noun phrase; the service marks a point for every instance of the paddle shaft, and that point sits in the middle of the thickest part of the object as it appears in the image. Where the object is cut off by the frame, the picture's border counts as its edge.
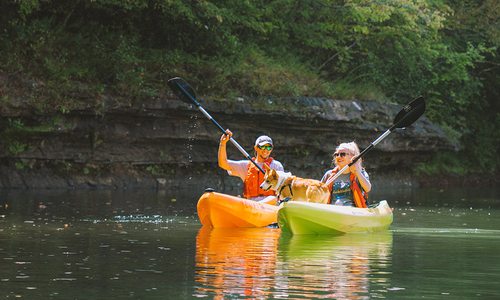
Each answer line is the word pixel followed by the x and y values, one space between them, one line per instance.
pixel 233 141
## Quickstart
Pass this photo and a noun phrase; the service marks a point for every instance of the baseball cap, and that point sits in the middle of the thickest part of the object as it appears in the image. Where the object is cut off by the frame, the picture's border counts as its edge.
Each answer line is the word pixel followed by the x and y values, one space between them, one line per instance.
pixel 263 140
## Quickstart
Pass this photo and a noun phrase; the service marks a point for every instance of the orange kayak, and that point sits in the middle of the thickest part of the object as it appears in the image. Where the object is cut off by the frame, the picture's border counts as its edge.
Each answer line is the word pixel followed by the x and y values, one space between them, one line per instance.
pixel 220 210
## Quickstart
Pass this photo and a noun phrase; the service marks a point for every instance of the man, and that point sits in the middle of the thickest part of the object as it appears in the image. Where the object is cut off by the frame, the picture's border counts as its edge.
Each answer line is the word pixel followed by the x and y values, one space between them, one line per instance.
pixel 252 177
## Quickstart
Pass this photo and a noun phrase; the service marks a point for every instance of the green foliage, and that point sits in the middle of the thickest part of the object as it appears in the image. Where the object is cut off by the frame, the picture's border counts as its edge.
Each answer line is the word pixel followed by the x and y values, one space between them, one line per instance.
pixel 16 148
pixel 349 49
pixel 21 164
pixel 154 170
pixel 444 163
pixel 16 127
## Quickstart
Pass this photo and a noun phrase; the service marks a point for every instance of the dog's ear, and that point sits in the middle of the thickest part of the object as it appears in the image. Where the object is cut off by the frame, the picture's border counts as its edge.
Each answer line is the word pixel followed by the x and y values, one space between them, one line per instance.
pixel 266 167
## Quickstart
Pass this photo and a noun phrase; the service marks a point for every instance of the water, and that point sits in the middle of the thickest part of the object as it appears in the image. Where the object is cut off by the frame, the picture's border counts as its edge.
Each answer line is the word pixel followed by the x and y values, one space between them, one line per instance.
pixel 149 245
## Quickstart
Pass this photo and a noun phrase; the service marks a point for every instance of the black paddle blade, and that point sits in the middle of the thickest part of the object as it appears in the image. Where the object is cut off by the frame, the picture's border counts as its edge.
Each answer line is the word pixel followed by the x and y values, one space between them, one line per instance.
pixel 410 113
pixel 182 90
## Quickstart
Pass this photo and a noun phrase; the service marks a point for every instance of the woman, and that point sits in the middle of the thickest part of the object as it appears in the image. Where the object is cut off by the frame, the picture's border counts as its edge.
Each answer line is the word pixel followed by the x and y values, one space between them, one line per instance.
pixel 350 188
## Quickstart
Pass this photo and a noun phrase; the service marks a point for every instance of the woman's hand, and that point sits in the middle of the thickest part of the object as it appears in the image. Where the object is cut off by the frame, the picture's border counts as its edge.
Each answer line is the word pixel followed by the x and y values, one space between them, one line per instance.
pixel 356 167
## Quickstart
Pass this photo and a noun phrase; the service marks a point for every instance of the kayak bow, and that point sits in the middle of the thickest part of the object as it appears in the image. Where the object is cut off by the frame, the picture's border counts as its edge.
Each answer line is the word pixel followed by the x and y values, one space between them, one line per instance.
pixel 314 218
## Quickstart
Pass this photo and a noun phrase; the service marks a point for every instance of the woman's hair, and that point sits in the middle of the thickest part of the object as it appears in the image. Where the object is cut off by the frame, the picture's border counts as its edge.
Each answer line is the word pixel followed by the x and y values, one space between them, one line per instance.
pixel 351 147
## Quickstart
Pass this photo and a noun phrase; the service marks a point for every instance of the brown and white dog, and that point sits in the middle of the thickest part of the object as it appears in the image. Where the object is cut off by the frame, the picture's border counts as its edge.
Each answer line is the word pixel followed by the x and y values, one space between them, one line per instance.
pixel 295 188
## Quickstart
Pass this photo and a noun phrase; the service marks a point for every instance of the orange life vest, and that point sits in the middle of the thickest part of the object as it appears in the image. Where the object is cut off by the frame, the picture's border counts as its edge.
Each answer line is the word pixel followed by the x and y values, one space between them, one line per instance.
pixel 358 195
pixel 251 185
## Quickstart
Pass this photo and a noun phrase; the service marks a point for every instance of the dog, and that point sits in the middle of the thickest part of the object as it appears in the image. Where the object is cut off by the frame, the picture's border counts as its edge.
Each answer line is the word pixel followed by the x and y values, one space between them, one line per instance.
pixel 295 188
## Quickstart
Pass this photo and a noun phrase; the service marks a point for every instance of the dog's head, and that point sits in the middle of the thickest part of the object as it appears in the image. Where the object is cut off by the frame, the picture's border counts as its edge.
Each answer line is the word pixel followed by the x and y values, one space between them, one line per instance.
pixel 270 179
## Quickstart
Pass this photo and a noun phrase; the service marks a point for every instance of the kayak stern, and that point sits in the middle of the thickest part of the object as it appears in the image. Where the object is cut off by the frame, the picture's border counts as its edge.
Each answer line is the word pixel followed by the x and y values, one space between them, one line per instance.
pixel 225 211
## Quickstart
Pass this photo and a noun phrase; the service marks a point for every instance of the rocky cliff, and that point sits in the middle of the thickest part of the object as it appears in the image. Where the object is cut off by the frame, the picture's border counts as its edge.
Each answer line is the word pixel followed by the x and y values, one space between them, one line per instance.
pixel 168 144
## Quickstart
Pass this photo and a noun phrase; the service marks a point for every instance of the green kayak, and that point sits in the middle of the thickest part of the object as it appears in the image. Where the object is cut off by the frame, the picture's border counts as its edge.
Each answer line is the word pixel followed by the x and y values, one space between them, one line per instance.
pixel 313 218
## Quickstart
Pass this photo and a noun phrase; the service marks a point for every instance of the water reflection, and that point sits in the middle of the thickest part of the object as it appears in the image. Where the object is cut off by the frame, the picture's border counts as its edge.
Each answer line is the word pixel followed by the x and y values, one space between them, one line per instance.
pixel 128 258
pixel 73 205
pixel 237 262
pixel 258 263
pixel 148 245
pixel 353 266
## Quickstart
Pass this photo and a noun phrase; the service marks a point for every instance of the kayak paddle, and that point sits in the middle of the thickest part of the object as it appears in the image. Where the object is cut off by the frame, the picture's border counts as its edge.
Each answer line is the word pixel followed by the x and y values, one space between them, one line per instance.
pixel 407 116
pixel 186 93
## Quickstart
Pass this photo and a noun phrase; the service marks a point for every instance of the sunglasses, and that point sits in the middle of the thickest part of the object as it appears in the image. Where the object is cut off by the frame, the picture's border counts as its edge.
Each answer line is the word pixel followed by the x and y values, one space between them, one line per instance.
pixel 266 147
pixel 341 154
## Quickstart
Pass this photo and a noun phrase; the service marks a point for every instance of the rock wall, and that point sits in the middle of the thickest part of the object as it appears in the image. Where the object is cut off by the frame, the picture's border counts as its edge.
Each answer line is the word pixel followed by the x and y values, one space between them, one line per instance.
pixel 168 144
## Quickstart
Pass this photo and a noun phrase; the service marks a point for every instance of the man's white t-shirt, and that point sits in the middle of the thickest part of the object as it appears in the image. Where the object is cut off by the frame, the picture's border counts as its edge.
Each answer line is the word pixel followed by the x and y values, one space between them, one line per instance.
pixel 240 167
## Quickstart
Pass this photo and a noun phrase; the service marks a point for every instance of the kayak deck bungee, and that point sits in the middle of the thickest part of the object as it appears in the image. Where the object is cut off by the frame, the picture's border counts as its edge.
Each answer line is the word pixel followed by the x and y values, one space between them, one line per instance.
pixel 222 211
pixel 314 218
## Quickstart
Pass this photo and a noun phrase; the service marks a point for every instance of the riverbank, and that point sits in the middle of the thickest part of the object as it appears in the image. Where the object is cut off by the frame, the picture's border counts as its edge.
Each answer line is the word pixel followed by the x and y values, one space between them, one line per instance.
pixel 164 142
pixel 195 177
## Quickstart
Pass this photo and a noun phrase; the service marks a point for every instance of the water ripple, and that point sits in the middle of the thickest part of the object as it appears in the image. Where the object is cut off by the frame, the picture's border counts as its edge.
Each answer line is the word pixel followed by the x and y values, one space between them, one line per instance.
pixel 469 232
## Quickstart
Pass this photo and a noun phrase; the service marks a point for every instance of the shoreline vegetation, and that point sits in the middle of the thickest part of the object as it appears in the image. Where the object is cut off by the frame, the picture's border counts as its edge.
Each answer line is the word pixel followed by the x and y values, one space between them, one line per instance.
pixel 63 56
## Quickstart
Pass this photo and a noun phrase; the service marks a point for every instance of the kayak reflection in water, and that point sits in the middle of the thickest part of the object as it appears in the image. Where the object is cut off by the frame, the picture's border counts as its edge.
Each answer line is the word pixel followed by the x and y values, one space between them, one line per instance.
pixel 346 267
pixel 236 262
pixel 247 171
pixel 258 263
pixel 351 187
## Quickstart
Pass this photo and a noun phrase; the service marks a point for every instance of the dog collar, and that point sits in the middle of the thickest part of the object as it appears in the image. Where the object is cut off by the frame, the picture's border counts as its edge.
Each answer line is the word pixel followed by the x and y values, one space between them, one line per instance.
pixel 282 176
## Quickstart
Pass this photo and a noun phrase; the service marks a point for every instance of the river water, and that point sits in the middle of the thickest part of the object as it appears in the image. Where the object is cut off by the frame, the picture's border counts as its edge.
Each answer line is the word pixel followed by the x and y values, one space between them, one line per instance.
pixel 443 244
